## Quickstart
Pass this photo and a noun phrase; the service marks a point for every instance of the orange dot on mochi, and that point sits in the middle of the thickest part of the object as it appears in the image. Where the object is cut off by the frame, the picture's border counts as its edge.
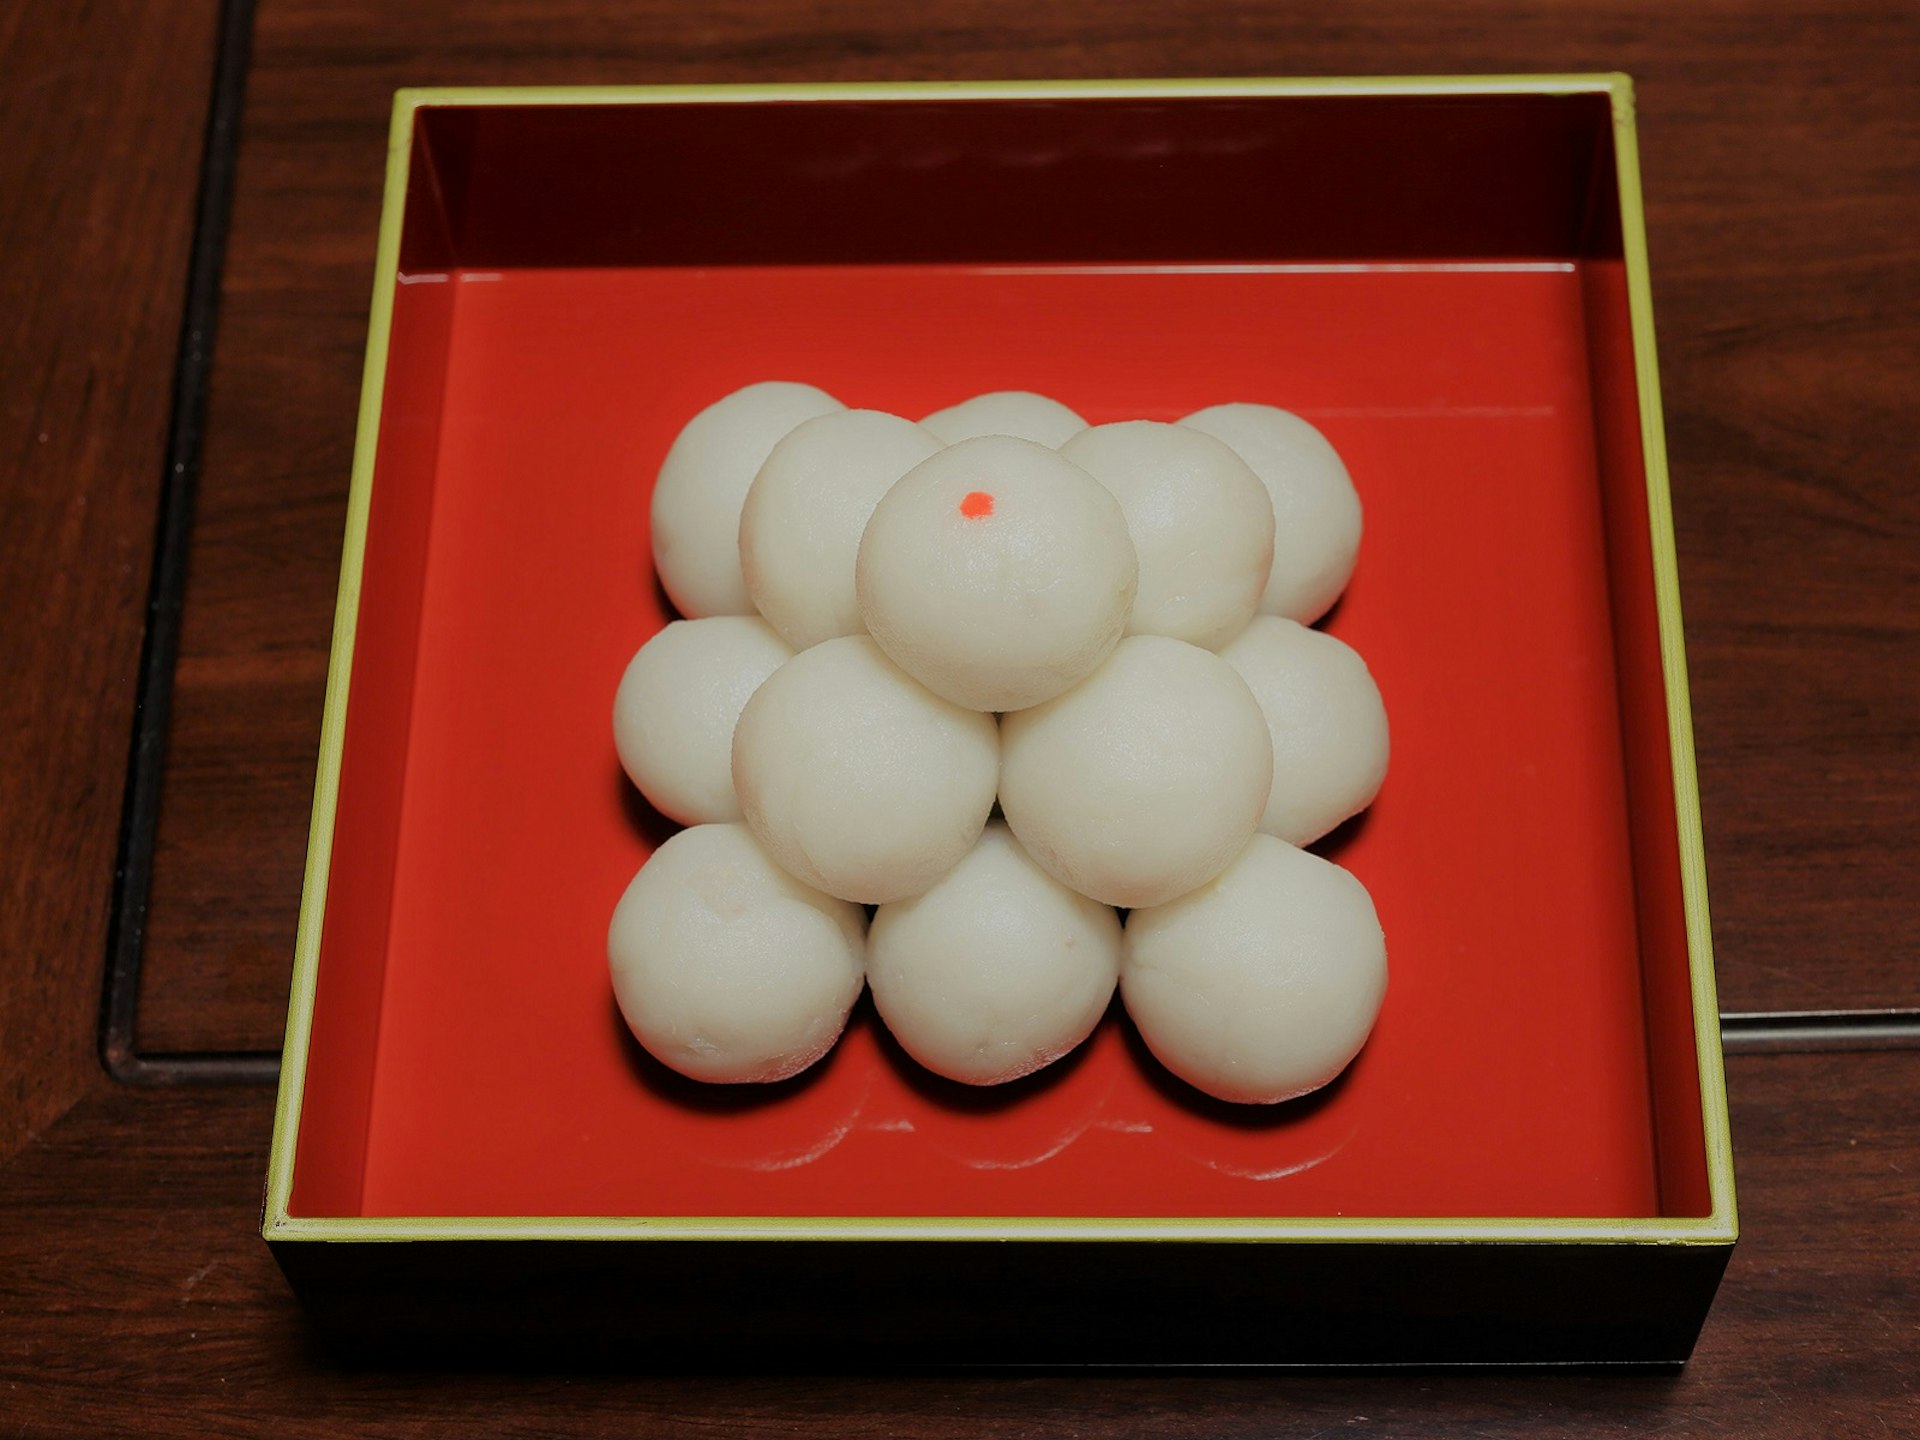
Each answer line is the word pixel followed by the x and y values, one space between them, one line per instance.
pixel 977 505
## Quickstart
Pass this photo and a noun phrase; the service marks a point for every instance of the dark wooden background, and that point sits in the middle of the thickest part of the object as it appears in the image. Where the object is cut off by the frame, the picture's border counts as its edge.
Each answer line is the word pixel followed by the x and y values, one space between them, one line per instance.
pixel 1781 148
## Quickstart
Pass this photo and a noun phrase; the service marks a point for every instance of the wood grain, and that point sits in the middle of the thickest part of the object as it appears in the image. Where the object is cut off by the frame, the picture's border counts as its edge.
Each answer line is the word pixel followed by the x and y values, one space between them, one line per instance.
pixel 96 211
pixel 140 1299
pixel 1780 151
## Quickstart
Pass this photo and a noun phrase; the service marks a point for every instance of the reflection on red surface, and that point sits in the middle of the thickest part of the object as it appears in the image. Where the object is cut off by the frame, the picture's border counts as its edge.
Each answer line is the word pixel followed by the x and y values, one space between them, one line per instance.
pixel 1026 1123
pixel 1509 1071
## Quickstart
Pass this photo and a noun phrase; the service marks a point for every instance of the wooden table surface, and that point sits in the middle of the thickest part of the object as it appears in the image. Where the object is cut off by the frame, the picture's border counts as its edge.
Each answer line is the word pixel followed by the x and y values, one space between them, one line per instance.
pixel 1781 149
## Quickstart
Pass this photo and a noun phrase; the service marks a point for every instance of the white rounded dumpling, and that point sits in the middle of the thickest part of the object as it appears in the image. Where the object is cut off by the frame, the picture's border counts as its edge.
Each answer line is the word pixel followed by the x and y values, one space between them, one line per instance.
pixel 859 780
pixel 1019 413
pixel 1143 781
pixel 996 971
pixel 996 573
pixel 674 713
pixel 1200 521
pixel 1315 507
pixel 1328 724
pixel 1263 985
pixel 726 968
pixel 704 480
pixel 801 524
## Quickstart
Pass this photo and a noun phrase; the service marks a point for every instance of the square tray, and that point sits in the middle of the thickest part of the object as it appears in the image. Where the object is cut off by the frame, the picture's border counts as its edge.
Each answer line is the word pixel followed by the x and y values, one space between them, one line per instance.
pixel 1528 1163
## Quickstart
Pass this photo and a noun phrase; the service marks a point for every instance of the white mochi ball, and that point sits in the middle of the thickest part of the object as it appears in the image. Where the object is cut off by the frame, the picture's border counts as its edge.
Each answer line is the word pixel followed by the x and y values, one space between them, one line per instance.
pixel 1143 781
pixel 996 573
pixel 674 713
pixel 1315 507
pixel 704 480
pixel 1262 985
pixel 859 780
pixel 1328 724
pixel 801 524
pixel 1200 521
pixel 725 966
pixel 996 971
pixel 1019 413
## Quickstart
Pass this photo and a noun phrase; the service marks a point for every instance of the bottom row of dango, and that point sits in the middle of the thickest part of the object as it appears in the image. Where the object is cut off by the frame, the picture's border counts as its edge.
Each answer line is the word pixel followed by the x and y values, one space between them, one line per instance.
pixel 1259 986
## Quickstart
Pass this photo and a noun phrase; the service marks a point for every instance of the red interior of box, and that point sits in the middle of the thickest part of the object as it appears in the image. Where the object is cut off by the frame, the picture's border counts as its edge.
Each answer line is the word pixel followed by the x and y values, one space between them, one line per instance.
pixel 1535 1056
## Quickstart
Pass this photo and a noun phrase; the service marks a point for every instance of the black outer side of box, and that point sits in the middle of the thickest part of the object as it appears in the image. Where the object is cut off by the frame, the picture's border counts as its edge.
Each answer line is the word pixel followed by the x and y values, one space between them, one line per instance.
pixel 850 1306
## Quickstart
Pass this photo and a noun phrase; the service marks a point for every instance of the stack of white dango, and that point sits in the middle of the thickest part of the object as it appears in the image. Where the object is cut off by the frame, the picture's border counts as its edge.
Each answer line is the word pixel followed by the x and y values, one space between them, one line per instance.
pixel 891 626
